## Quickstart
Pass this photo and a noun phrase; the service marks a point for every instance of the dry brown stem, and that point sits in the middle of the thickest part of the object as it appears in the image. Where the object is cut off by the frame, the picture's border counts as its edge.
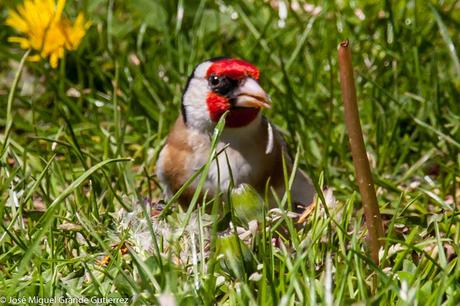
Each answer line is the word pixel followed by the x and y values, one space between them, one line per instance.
pixel 358 152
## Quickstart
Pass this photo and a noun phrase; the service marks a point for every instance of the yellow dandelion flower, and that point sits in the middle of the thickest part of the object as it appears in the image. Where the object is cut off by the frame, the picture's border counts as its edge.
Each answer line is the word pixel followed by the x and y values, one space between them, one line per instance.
pixel 45 30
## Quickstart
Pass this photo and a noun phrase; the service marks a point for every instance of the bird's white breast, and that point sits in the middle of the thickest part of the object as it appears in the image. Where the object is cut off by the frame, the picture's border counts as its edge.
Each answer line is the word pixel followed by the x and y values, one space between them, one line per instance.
pixel 239 157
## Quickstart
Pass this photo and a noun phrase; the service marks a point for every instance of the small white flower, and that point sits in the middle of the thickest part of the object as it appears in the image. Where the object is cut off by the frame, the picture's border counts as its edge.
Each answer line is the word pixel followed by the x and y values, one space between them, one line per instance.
pixel 255 277
pixel 167 299
pixel 407 294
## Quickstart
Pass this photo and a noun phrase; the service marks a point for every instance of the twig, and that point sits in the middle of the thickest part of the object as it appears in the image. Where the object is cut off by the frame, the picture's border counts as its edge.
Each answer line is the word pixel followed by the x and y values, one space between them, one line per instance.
pixel 358 152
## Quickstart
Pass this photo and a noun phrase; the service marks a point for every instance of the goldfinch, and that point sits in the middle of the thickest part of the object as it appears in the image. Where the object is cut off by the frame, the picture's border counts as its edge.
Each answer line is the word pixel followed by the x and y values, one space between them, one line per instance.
pixel 252 147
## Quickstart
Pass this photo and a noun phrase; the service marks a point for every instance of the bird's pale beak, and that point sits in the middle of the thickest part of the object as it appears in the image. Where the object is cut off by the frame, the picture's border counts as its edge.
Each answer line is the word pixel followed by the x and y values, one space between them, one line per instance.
pixel 250 94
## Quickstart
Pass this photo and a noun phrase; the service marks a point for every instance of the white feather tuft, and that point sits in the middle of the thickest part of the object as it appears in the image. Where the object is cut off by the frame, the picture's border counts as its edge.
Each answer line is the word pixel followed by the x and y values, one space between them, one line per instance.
pixel 269 148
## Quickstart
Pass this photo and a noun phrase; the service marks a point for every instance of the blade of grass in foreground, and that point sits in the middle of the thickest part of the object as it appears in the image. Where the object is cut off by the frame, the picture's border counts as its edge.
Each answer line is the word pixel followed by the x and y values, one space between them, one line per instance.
pixel 445 36
pixel 27 197
pixel 213 150
pixel 9 117
pixel 46 220
pixel 440 134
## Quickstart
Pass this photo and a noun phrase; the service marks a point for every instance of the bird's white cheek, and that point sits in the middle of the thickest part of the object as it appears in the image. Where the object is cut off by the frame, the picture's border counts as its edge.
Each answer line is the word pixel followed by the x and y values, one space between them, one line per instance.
pixel 195 105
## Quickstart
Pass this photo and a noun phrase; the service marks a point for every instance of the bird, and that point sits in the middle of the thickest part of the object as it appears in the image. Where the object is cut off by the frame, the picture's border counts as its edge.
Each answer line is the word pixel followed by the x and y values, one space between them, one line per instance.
pixel 252 147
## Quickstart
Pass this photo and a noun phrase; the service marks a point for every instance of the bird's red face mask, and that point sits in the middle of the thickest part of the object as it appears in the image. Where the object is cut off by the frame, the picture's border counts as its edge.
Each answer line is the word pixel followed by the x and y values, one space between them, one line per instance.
pixel 234 87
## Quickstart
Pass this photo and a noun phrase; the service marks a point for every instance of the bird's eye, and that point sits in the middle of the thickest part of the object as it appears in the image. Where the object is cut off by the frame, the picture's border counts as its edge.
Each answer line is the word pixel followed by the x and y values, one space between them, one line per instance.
pixel 222 84
pixel 214 80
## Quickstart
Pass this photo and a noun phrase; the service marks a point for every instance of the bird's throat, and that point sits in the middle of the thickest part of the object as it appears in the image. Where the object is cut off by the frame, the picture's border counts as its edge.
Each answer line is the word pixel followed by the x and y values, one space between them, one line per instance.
pixel 239 117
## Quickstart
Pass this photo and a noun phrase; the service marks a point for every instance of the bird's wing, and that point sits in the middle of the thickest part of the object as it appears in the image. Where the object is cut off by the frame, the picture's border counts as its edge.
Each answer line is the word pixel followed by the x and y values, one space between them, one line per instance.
pixel 302 190
pixel 173 168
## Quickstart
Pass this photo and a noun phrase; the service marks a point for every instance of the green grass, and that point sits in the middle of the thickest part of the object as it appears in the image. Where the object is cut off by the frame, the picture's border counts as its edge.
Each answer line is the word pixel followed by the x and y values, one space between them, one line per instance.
pixel 77 163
